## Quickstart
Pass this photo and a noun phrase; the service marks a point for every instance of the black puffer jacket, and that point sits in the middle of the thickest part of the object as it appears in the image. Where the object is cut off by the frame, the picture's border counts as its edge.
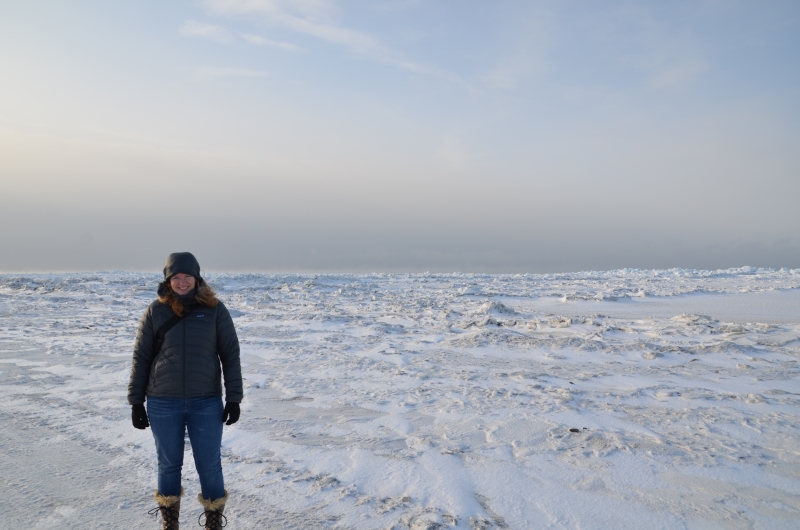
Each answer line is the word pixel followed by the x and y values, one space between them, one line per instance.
pixel 188 365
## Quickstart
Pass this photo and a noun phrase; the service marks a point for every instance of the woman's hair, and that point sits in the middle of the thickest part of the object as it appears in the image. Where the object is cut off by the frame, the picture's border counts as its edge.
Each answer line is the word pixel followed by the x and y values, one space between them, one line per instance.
pixel 204 295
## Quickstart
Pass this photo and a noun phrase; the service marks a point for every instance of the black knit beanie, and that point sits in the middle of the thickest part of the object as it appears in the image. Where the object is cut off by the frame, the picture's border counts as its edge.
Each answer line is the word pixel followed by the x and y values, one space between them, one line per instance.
pixel 183 262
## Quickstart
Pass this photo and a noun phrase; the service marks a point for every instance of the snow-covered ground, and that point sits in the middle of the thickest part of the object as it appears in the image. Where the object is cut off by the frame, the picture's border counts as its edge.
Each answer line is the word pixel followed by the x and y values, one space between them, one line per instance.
pixel 622 399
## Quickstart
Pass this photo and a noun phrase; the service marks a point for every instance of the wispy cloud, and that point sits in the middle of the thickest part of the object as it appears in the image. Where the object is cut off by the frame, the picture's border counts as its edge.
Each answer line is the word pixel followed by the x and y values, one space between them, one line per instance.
pixel 318 18
pixel 261 41
pixel 207 31
pixel 511 70
pixel 206 72
pixel 531 37
pixel 677 75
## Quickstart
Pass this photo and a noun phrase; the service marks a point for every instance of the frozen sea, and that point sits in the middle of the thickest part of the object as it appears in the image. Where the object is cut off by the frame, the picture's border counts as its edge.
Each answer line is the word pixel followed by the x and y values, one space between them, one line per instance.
pixel 621 399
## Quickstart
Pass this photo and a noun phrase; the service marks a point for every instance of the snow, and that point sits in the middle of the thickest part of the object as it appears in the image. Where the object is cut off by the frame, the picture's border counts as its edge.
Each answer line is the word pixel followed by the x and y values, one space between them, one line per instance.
pixel 624 399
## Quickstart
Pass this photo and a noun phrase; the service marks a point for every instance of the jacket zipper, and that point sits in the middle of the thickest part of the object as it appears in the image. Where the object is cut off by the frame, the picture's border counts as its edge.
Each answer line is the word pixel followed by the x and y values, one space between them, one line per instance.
pixel 184 358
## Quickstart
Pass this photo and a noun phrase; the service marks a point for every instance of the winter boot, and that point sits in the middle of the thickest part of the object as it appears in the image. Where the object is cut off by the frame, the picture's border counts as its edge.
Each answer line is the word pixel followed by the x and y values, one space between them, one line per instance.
pixel 213 512
pixel 170 508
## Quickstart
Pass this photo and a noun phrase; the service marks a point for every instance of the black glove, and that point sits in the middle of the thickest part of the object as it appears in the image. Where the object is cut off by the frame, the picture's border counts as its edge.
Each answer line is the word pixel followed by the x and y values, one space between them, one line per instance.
pixel 231 413
pixel 139 417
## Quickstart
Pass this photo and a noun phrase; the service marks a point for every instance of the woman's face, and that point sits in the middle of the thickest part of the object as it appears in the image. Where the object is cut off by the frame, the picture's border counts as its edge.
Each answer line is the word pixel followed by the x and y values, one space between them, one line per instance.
pixel 182 283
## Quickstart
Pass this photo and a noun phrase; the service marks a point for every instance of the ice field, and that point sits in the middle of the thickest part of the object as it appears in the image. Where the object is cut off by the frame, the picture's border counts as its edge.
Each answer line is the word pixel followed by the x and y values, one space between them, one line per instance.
pixel 622 399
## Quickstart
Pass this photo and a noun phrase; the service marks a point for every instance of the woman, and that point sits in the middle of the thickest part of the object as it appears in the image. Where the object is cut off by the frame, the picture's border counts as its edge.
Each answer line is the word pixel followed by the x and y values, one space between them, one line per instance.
pixel 179 374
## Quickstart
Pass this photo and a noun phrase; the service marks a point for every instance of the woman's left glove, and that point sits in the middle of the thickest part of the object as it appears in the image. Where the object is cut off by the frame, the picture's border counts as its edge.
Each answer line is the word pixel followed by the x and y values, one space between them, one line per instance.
pixel 139 417
pixel 231 413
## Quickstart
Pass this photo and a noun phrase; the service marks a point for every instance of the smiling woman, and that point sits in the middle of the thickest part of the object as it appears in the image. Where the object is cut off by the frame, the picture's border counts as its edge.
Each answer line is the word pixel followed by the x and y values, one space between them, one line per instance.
pixel 181 283
pixel 183 338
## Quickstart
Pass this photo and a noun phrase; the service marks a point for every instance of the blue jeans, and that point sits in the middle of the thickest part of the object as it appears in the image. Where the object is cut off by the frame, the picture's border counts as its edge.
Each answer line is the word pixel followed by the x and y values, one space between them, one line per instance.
pixel 170 418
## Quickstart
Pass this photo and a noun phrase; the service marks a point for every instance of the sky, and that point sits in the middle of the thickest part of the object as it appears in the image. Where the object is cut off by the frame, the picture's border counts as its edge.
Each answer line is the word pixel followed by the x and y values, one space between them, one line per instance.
pixel 399 136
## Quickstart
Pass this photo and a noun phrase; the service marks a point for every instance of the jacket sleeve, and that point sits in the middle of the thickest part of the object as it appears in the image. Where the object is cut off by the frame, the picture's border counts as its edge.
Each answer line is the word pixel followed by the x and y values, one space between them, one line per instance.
pixel 142 359
pixel 228 349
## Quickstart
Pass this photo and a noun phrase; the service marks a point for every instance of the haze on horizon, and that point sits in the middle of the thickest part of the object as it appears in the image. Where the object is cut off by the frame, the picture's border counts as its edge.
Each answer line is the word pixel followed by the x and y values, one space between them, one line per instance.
pixel 326 136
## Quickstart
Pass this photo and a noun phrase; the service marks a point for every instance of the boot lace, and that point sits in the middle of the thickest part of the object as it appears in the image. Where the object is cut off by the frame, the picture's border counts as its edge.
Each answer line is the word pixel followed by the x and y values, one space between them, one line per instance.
pixel 168 513
pixel 214 519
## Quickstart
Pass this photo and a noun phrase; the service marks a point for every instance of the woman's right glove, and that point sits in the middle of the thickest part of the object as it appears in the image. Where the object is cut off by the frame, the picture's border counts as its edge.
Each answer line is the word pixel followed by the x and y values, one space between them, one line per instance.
pixel 139 417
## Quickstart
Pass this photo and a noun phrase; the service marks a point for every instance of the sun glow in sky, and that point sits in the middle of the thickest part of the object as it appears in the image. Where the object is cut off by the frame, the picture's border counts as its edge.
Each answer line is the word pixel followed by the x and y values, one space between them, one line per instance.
pixel 405 135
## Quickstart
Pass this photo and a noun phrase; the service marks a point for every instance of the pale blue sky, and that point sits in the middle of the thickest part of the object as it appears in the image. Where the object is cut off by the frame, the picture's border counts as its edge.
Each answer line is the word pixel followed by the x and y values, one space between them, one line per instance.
pixel 399 135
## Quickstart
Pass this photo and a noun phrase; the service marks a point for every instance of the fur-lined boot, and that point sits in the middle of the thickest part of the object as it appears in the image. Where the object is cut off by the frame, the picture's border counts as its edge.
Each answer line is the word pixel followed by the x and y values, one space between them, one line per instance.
pixel 170 508
pixel 213 512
